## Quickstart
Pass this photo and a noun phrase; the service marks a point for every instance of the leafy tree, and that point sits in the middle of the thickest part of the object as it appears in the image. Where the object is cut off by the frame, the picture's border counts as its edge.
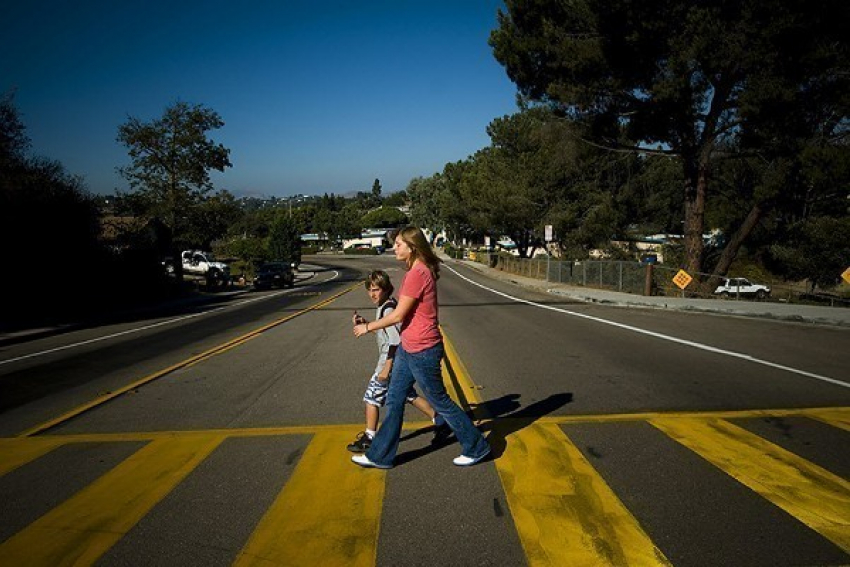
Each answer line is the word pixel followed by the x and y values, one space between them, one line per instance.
pixel 284 241
pixel 384 217
pixel 49 214
pixel 535 173
pixel 14 142
pixel 324 222
pixel 171 158
pixel 302 217
pixel 376 191
pixel 689 80
pixel 817 250
pixel 251 250
pixel 652 196
pixel 397 199
pixel 502 198
pixel 51 220
pixel 212 218
pixel 453 208
pixel 425 209
pixel 331 202
pixel 253 223
pixel 347 221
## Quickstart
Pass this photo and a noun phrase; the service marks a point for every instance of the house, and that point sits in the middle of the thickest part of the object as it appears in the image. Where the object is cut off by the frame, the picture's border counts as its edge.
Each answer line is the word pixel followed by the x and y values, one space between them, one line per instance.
pixel 371 237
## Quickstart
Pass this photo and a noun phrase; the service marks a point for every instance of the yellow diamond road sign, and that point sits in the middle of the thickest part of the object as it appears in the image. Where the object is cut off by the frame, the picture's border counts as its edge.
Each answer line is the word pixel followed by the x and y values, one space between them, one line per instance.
pixel 846 275
pixel 682 279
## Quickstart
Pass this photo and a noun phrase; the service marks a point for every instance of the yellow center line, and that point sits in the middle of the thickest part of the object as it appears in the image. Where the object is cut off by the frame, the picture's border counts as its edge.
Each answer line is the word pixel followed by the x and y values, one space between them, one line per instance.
pixel 183 364
pixel 458 384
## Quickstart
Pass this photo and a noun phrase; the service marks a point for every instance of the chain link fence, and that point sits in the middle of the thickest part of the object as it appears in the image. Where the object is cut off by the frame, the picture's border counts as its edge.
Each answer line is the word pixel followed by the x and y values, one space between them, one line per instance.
pixel 636 278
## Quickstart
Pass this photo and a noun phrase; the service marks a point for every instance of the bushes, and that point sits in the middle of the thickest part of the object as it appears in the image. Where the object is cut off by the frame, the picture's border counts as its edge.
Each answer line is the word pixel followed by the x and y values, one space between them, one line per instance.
pixel 452 251
pixel 361 251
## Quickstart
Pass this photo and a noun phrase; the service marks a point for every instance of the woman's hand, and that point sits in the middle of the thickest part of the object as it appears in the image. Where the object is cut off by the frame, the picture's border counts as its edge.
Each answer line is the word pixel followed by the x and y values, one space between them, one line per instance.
pixel 360 330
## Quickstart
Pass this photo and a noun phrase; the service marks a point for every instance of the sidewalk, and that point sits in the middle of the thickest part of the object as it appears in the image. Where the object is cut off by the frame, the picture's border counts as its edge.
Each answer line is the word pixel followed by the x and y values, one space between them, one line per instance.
pixel 765 309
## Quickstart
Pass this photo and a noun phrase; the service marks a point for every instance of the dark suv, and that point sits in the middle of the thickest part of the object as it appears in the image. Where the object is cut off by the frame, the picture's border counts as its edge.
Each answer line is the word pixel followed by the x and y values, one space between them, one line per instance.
pixel 274 274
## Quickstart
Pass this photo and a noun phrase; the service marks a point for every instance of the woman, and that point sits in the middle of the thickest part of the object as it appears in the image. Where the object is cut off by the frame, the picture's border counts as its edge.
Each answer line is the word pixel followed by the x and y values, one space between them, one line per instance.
pixel 418 357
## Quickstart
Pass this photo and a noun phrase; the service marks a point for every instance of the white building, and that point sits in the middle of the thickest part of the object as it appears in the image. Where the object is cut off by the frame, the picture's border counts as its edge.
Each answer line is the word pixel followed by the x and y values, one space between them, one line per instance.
pixel 371 237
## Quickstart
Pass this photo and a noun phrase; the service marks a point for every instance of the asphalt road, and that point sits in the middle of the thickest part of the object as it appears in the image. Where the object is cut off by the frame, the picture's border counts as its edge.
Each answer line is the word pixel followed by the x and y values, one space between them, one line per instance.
pixel 216 435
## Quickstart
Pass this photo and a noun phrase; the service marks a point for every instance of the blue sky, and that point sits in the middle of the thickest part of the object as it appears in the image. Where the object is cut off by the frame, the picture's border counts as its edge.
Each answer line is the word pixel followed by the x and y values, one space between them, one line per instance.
pixel 316 96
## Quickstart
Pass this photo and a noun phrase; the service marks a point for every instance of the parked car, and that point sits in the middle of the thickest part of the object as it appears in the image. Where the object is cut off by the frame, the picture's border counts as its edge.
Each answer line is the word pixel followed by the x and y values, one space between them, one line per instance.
pixel 198 264
pixel 741 286
pixel 274 274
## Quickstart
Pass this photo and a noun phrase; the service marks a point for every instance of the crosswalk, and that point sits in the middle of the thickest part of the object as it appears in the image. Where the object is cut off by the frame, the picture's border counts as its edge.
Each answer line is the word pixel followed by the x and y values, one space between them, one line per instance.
pixel 328 512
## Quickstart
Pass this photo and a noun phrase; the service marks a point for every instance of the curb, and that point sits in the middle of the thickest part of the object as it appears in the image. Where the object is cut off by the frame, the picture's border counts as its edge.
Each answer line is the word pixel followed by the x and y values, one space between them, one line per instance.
pixel 760 310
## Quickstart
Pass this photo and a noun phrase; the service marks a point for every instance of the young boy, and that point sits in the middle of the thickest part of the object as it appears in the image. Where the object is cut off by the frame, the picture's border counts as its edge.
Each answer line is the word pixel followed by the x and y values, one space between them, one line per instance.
pixel 380 291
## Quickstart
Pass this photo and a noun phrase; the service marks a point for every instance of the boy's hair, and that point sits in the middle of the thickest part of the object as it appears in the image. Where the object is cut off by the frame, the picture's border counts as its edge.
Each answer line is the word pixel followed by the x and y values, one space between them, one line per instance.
pixel 380 279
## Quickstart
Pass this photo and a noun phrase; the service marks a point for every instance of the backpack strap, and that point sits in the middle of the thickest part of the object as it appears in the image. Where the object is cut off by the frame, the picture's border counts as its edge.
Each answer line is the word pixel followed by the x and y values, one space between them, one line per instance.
pixel 391 303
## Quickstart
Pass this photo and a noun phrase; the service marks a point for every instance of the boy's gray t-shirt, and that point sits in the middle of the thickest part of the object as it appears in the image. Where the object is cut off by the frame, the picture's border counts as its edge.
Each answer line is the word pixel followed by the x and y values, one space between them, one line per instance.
pixel 386 337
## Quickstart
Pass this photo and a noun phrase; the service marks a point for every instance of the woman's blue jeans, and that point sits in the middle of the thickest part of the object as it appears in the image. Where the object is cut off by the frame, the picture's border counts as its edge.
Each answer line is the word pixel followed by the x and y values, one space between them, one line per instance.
pixel 423 368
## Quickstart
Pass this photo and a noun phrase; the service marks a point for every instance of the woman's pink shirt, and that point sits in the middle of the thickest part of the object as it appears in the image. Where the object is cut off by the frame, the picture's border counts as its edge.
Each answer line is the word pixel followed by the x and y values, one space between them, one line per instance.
pixel 421 328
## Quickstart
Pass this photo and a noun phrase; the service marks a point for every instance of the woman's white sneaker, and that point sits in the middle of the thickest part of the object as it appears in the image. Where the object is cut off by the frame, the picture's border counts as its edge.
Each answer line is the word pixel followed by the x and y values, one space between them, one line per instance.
pixel 364 461
pixel 464 461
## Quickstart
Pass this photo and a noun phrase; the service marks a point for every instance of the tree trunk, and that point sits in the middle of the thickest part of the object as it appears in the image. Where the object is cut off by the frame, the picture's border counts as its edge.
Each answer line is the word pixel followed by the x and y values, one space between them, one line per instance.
pixel 730 252
pixel 174 244
pixel 696 183
pixel 177 262
pixel 522 241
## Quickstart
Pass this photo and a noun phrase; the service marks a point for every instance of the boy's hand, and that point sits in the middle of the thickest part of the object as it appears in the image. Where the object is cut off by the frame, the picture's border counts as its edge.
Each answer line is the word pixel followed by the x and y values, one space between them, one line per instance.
pixel 357 319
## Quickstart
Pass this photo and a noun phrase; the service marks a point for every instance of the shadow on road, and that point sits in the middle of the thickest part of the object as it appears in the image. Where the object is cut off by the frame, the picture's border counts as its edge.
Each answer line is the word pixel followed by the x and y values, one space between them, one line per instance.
pixel 500 417
pixel 500 427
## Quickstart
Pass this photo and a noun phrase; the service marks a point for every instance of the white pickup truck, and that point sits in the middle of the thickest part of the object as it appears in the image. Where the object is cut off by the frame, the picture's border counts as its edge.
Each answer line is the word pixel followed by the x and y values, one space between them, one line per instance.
pixel 203 264
pixel 741 287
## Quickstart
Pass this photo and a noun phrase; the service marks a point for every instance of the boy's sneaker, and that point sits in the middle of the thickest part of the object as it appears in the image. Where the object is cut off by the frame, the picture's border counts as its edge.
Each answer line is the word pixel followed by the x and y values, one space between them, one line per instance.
pixel 361 444
pixel 441 434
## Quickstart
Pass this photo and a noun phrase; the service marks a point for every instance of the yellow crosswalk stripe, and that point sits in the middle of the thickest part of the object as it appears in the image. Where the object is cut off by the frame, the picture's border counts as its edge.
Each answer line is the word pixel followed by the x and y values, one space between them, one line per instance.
pixel 837 417
pixel 328 513
pixel 17 452
pixel 563 510
pixel 813 495
pixel 84 527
